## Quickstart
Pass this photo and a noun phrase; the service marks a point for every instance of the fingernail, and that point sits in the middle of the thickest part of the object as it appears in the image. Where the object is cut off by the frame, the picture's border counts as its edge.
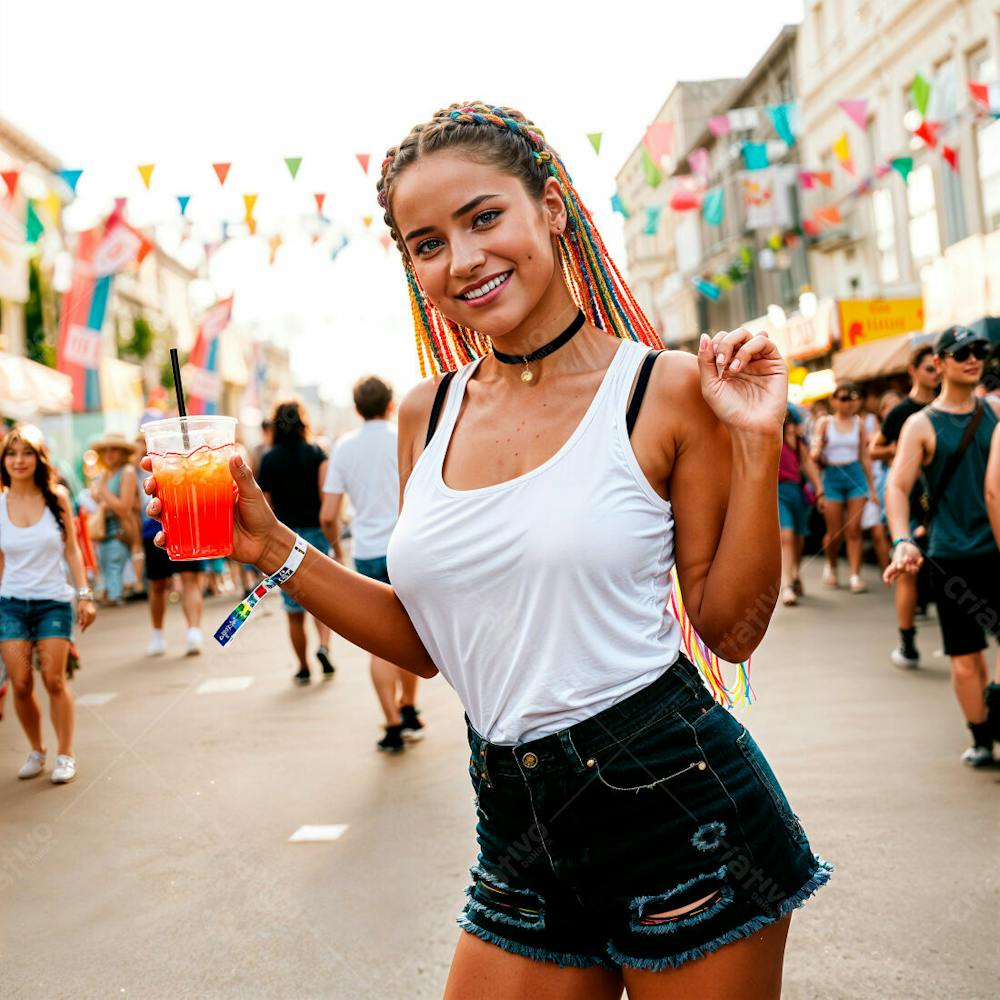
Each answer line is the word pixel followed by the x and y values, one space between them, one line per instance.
pixel 734 365
pixel 720 359
pixel 239 461
pixel 702 342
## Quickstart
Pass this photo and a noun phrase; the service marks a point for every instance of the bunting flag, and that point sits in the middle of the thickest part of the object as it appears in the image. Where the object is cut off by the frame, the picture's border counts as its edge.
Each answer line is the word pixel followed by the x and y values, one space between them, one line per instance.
pixel 810 227
pixel 829 215
pixel 685 197
pixel 920 93
pixel 71 177
pixel 367 220
pixel 221 171
pixel 650 171
pixel 595 140
pixel 386 240
pixel 882 169
pixel 718 125
pixel 202 378
pixel 842 150
pixel 182 200
pixel 781 119
pixel 272 244
pixel 699 162
pixel 120 204
pixel 52 204
pixel 659 141
pixel 713 206
pixel 293 163
pixel 755 155
pixel 344 241
pixel 856 110
pixel 902 165
pixel 363 159
pixel 617 205
pixel 707 288
pixel 10 178
pixel 320 198
pixel 652 220
pixel 987 97
pixel 33 227
pixel 146 173
pixel 950 155
pixel 120 246
pixel 928 132
pixel 824 177
pixel 249 200
pixel 807 179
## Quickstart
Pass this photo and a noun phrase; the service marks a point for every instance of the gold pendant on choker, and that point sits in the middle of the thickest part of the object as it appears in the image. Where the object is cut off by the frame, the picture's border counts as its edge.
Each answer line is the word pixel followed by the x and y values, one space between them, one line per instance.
pixel 527 375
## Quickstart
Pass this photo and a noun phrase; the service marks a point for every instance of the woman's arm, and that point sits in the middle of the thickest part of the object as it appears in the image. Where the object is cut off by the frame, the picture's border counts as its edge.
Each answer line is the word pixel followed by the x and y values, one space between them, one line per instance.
pixel 810 468
pixel 86 610
pixel 866 461
pixel 818 439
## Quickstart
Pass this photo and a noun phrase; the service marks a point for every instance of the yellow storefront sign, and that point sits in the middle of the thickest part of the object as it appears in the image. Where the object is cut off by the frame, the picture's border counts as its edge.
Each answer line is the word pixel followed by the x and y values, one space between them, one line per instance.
pixel 865 320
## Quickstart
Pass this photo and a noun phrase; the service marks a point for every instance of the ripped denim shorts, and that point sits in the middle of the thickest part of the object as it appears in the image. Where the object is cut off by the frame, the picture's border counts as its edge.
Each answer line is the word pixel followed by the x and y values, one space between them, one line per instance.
pixel 647 836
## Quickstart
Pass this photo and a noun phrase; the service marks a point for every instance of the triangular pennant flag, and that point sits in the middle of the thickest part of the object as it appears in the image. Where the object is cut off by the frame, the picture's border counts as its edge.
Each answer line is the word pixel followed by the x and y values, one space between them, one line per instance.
pixel 829 215
pixel 221 171
pixel 595 141
pixel 10 179
pixel 928 132
pixel 52 204
pixel 293 163
pixel 882 169
pixel 120 204
pixel 71 177
pixel 902 165
pixel 699 162
pixel 707 288
pixel 650 171
pixel 252 226
pixel 685 197
pixel 810 227
pixel 779 115
pixel 920 93
pixel 659 141
pixel 146 173
pixel 249 200
pixel 755 155
pixel 386 240
pixel 617 205
pixel 842 147
pixel 33 226
pixel 273 245
pixel 987 96
pixel 856 110
pixel 182 200
pixel 950 154
pixel 320 198
pixel 713 207
pixel 807 179
pixel 824 177
pixel 367 220
pixel 718 125
pixel 363 159
pixel 652 220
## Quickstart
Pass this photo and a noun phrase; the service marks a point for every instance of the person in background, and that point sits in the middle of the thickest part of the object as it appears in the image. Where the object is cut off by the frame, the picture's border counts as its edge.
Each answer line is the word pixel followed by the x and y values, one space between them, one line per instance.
pixel 160 569
pixel 364 466
pixel 794 463
pixel 925 380
pixel 260 450
pixel 37 544
pixel 839 446
pixel 115 490
pixel 873 515
pixel 291 476
pixel 951 440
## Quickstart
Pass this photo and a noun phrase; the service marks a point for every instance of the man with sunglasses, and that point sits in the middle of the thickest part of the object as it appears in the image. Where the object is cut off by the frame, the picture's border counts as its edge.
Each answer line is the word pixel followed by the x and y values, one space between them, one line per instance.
pixel 950 440
pixel 925 379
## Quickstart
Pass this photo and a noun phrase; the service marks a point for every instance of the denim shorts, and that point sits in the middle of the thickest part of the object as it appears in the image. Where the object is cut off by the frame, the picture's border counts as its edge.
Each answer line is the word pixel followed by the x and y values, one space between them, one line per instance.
pixel 845 482
pixel 27 620
pixel 793 511
pixel 588 838
pixel 376 569
pixel 316 538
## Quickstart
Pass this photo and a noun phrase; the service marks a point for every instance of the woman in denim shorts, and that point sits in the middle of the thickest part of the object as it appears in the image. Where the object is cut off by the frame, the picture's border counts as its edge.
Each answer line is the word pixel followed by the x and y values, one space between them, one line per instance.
pixel 37 537
pixel 631 834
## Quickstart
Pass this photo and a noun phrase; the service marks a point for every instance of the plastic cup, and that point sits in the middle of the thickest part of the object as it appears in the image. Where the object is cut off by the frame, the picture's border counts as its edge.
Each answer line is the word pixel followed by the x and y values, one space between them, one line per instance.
pixel 190 457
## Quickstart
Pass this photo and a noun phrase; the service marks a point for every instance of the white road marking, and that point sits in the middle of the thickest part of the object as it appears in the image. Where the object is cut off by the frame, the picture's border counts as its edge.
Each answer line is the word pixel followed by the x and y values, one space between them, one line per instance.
pixel 317 834
pixel 221 685
pixel 97 698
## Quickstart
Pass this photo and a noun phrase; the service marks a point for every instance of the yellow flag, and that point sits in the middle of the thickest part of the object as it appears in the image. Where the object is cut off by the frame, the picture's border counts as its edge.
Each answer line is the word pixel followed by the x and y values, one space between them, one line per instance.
pixel 249 200
pixel 52 204
pixel 842 148
pixel 367 220
pixel 146 173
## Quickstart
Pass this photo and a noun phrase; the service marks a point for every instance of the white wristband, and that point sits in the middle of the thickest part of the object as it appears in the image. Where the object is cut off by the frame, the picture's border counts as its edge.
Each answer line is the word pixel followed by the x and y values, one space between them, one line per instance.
pixel 226 632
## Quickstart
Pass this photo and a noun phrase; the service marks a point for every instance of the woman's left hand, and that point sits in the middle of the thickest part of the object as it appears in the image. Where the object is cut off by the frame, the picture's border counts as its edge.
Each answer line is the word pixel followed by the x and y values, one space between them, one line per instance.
pixel 744 380
pixel 86 612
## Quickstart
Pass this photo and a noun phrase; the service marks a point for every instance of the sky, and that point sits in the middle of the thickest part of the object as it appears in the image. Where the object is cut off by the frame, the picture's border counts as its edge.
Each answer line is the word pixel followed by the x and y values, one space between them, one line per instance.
pixel 109 84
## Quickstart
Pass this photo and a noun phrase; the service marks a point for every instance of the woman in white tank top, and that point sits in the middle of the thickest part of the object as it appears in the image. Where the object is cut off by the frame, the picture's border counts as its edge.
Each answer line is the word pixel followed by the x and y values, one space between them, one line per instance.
pixel 531 565
pixel 37 542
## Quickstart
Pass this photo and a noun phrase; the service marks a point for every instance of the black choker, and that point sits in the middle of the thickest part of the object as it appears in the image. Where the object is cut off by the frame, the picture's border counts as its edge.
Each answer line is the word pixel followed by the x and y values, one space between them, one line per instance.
pixel 544 351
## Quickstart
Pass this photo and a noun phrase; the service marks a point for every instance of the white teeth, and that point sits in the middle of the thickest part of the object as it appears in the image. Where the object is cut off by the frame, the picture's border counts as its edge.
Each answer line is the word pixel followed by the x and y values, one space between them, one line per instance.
pixel 478 293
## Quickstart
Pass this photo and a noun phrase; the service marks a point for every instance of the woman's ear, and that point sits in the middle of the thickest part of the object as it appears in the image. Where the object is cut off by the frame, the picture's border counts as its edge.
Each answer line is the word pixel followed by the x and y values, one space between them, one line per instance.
pixel 554 207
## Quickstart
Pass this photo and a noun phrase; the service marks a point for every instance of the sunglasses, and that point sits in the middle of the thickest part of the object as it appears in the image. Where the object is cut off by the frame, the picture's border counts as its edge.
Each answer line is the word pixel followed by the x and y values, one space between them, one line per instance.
pixel 846 397
pixel 978 351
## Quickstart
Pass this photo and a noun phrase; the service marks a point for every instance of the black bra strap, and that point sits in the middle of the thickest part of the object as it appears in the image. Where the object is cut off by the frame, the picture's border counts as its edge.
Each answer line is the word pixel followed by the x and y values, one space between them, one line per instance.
pixel 439 398
pixel 640 390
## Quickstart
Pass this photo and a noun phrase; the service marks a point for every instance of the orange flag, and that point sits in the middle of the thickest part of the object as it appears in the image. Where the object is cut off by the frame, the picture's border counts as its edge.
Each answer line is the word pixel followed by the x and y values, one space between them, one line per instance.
pixel 10 179
pixel 363 159
pixel 221 171
pixel 829 215
pixel 146 173
pixel 825 177
pixel 320 198
pixel 385 239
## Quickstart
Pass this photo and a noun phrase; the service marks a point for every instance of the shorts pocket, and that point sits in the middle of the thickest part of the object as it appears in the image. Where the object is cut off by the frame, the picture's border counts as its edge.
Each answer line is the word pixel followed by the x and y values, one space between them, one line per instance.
pixel 498 901
pixel 766 778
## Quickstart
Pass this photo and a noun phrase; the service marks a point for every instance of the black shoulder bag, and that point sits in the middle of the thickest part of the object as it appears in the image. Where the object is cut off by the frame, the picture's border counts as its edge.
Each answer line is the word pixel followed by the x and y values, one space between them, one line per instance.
pixel 930 504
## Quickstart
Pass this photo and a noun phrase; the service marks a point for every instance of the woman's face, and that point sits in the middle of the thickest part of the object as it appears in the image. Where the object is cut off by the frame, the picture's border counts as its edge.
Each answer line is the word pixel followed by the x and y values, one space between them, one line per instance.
pixel 481 246
pixel 846 402
pixel 114 458
pixel 20 461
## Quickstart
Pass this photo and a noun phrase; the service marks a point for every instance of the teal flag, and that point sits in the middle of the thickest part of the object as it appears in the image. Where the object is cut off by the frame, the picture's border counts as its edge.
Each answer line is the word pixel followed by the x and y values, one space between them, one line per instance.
pixel 707 288
pixel 652 220
pixel 755 155
pixel 781 119
pixel 33 226
pixel 713 206
pixel 902 165
pixel 71 177
pixel 182 200
pixel 617 205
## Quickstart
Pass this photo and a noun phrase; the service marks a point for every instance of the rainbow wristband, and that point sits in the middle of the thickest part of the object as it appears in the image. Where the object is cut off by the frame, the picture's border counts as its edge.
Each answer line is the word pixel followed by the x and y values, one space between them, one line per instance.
pixel 226 632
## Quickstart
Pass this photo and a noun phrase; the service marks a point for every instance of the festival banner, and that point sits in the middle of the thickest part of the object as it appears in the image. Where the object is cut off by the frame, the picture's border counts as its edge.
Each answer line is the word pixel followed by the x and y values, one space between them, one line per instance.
pixel 865 320
pixel 80 308
pixel 201 378
pixel 119 247
pixel 766 198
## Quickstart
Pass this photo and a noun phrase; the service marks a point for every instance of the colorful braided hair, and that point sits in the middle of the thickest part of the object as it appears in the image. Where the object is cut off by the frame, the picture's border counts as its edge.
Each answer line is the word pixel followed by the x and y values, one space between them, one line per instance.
pixel 506 138
pixel 516 145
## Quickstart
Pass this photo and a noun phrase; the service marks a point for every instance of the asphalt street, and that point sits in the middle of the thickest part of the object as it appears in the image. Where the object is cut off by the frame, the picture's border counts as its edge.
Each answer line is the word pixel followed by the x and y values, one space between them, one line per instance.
pixel 168 868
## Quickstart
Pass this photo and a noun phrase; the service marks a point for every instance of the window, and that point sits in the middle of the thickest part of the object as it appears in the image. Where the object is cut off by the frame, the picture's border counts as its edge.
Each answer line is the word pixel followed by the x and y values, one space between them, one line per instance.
pixel 983 69
pixel 885 236
pixel 944 107
pixel 925 242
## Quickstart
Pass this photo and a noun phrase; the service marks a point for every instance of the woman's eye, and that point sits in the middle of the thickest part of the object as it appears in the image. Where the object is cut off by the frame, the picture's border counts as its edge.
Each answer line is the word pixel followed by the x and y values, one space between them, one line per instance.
pixel 485 218
pixel 427 246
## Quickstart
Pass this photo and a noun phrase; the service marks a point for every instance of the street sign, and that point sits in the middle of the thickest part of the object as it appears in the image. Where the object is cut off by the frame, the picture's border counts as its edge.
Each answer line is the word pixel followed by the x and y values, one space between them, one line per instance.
pixel 865 320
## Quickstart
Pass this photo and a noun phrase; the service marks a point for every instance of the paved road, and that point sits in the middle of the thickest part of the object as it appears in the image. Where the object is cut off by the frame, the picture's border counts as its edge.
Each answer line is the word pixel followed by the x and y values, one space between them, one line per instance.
pixel 166 871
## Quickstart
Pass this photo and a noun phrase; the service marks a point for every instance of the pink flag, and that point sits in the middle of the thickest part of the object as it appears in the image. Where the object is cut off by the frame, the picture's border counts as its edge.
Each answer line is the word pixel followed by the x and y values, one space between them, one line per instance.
pixel 719 125
pixel 363 159
pixel 659 140
pixel 699 162
pixel 950 154
pixel 807 180
pixel 857 111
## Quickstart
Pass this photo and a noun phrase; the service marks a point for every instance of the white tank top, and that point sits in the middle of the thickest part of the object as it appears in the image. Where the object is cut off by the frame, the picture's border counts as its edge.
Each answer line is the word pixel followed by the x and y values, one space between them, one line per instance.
pixel 542 600
pixel 33 559
pixel 842 448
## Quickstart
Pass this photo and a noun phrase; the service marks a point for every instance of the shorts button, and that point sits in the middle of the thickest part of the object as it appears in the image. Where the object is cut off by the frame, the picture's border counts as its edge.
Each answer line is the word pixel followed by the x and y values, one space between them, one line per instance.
pixel 529 760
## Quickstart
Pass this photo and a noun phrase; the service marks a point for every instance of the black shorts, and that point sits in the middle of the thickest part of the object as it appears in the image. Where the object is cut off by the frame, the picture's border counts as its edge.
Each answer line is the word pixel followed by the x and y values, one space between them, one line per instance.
pixel 967 595
pixel 159 566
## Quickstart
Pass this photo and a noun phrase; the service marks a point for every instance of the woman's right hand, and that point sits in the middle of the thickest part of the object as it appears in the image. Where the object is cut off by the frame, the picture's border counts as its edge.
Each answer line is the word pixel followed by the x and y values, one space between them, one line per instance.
pixel 259 538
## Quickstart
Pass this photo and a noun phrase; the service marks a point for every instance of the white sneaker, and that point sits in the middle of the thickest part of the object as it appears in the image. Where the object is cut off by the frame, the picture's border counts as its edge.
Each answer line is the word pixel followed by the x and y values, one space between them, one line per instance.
pixel 978 756
pixel 157 645
pixel 33 765
pixel 64 771
pixel 858 586
pixel 830 577
pixel 194 642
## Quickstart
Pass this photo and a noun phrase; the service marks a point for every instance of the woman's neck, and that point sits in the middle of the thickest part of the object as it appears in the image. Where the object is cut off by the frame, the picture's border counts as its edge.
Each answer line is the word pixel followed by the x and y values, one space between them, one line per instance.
pixel 24 489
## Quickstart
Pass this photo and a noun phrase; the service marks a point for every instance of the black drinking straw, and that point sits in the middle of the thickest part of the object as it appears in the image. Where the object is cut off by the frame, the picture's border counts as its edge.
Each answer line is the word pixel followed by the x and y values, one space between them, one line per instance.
pixel 175 363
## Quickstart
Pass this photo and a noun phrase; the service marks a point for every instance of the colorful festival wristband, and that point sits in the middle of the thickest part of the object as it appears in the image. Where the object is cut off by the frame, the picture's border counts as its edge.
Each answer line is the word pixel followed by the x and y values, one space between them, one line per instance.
pixel 226 632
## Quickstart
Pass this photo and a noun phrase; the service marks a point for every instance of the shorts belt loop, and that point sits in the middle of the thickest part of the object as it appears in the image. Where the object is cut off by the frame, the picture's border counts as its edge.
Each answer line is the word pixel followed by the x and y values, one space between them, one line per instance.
pixel 569 748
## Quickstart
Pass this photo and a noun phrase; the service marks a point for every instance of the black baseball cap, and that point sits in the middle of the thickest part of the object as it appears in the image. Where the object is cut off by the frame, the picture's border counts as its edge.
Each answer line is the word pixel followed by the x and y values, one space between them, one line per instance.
pixel 957 336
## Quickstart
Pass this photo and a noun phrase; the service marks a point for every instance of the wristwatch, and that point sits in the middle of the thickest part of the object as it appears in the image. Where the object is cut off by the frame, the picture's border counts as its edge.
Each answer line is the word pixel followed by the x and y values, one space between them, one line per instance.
pixel 85 594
